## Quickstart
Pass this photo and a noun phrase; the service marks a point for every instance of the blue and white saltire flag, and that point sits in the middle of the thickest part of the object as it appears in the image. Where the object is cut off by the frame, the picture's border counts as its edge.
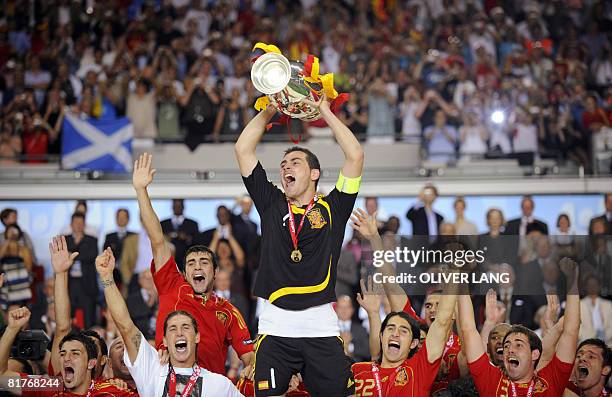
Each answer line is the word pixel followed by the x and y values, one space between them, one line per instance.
pixel 92 144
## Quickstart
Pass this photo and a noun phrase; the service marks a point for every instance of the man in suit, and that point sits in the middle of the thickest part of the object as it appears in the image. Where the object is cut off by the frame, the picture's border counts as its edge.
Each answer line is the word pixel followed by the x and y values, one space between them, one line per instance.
pixel 142 304
pixel 180 230
pixel 520 308
pixel 355 337
pixel 425 221
pixel 115 240
pixel 518 226
pixel 224 219
pixel 243 228
pixel 606 217
pixel 82 279
pixel 595 313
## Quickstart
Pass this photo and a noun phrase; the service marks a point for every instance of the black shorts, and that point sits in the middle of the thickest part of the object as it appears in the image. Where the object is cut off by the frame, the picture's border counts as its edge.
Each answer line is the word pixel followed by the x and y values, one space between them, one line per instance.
pixel 325 369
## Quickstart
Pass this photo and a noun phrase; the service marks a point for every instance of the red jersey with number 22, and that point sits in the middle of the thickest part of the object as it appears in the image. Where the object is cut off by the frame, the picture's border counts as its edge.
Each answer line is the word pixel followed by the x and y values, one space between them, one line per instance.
pixel 414 378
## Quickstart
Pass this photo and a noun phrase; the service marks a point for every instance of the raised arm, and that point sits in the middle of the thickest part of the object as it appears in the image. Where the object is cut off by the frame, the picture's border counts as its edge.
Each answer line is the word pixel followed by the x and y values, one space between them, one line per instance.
pixel 61 260
pixel 353 152
pixel 249 139
pixel 105 264
pixel 366 225
pixel 370 301
pixel 472 344
pixel 141 178
pixel 494 315
pixel 566 348
pixel 16 320
pixel 440 329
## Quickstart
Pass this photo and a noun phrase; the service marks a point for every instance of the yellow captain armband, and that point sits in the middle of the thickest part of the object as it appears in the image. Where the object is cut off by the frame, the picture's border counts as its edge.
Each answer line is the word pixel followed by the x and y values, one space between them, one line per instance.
pixel 348 185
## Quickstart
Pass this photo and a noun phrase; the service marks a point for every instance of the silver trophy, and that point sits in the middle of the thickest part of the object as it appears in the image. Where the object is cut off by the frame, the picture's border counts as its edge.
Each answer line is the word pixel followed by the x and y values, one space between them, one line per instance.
pixel 283 82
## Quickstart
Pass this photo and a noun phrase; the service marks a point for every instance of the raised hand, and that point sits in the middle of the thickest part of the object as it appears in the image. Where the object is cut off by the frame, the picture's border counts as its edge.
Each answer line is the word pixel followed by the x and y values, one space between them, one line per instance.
pixel 364 223
pixel 105 264
pixel 493 312
pixel 321 103
pixel 370 297
pixel 142 175
pixel 568 267
pixel 61 258
pixel 18 318
pixel 552 312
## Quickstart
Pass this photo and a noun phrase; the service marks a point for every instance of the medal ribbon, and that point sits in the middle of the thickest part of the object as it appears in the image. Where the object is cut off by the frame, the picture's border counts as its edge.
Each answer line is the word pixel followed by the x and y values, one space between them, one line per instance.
pixel 294 234
pixel 377 381
pixel 187 391
pixel 90 389
pixel 529 391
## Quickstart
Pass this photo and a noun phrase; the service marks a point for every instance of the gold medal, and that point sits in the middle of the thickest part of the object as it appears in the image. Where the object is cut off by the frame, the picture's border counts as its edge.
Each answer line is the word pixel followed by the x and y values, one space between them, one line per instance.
pixel 296 256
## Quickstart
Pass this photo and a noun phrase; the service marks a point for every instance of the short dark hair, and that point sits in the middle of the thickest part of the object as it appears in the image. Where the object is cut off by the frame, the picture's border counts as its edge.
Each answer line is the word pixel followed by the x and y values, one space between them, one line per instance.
pixel 93 334
pixel 311 159
pixel 81 202
pixel 6 213
pixel 180 313
pixel 414 328
pixel 606 352
pixel 535 343
pixel 14 226
pixel 77 215
pixel 88 344
pixel 123 210
pixel 201 249
pixel 561 216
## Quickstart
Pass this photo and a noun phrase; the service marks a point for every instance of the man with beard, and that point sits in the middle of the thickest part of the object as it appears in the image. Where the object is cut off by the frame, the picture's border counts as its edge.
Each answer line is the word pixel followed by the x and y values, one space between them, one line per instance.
pixel 298 326
pixel 220 323
pixel 592 370
pixel 522 351
pixel 182 374
pixel 77 362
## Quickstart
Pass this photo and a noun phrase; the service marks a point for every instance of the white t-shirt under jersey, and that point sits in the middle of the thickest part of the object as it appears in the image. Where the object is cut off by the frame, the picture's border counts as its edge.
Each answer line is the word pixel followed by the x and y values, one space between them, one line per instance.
pixel 150 375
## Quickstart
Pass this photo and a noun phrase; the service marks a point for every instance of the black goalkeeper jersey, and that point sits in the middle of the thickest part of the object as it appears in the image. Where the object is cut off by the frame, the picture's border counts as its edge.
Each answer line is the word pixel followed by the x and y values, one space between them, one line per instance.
pixel 310 282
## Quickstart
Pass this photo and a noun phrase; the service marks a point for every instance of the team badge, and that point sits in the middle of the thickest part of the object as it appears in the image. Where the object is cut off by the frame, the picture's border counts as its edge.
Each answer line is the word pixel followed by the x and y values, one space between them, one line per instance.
pixel 540 386
pixel 402 378
pixel 316 218
pixel 222 317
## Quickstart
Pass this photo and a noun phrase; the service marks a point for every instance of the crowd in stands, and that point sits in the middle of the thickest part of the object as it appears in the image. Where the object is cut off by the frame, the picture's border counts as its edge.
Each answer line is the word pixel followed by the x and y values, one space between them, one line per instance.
pixel 466 79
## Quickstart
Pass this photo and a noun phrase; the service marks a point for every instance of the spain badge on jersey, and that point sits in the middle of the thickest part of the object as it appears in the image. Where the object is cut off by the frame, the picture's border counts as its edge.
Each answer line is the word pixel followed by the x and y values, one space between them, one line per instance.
pixel 222 317
pixel 316 218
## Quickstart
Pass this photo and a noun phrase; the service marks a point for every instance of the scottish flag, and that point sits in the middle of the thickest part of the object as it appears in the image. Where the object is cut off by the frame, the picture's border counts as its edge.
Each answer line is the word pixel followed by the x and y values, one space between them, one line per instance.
pixel 92 144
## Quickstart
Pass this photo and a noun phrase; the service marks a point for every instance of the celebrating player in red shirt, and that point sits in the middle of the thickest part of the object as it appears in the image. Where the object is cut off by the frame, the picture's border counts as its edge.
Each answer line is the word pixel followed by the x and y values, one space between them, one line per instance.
pixel 522 351
pixel 592 369
pixel 77 359
pixel 219 322
pixel 453 363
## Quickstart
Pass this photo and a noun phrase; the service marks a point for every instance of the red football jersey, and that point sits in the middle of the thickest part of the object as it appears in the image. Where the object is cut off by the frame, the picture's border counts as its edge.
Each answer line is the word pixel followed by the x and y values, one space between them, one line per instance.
pixel 414 378
pixel 220 324
pixel 550 381
pixel 449 369
pixel 100 388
